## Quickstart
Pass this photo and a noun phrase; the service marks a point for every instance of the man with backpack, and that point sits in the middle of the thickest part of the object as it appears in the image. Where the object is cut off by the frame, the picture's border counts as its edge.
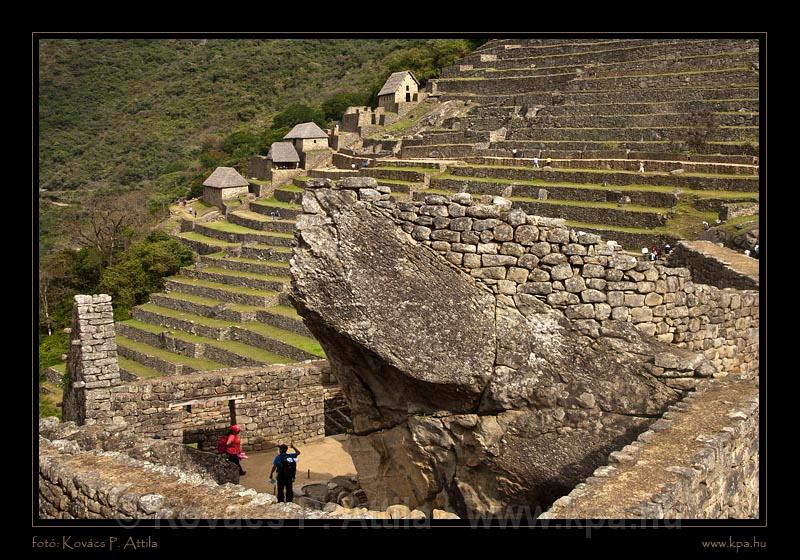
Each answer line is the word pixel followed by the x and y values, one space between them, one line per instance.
pixel 286 465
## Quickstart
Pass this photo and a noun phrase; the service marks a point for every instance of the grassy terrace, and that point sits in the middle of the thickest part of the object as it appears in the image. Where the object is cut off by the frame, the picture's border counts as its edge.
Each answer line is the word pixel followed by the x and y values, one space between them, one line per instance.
pixel 754 86
pixel 272 203
pixel 137 369
pixel 285 311
pixel 586 204
pixel 232 346
pixel 228 227
pixel 262 182
pixel 620 171
pixel 595 186
pixel 293 339
pixel 194 236
pixel 395 181
pixel 399 168
pixel 251 261
pixel 264 247
pixel 196 363
pixel 601 65
pixel 581 53
pixel 219 286
pixel 240 274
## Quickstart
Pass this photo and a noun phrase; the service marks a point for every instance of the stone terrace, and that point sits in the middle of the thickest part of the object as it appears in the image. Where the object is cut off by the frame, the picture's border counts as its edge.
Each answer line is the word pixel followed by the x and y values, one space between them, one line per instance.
pixel 687 108
pixel 229 309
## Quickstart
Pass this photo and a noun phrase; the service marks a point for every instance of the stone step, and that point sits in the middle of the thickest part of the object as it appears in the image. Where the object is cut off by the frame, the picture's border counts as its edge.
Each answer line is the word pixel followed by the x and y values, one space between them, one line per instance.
pixel 545 120
pixel 162 361
pixel 656 199
pixel 241 264
pixel 280 341
pixel 131 370
pixel 285 211
pixel 207 307
pixel 233 233
pixel 191 323
pixel 254 220
pixel 222 292
pixel 633 134
pixel 749 148
pixel 283 317
pixel 260 251
pixel 237 278
pixel 622 163
pixel 416 164
pixel 610 96
pixel 495 156
pixel 392 173
pixel 203 244
pixel 677 60
pixel 291 194
pixel 746 105
pixel 747 183
pixel 440 151
pixel 482 86
pixel 333 174
pixel 630 239
pixel 228 352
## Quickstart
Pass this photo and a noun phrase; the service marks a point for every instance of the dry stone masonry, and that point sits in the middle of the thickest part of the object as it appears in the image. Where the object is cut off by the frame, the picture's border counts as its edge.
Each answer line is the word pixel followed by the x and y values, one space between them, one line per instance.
pixel 491 358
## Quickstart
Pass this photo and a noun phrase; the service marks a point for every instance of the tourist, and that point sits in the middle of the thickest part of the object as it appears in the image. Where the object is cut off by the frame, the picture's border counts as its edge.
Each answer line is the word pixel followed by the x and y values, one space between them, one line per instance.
pixel 548 162
pixel 286 465
pixel 514 153
pixel 755 250
pixel 641 167
pixel 747 252
pixel 705 225
pixel 645 251
pixel 536 163
pixel 365 163
pixel 233 447
pixel 353 166
pixel 667 249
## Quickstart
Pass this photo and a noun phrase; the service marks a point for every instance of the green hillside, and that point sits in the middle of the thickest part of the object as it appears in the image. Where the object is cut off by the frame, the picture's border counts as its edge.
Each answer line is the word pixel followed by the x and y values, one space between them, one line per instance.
pixel 153 115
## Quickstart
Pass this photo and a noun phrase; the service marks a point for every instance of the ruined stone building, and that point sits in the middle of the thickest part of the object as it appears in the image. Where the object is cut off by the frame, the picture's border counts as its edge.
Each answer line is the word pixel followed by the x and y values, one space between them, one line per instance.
pixel 311 143
pixel 399 93
pixel 283 155
pixel 224 183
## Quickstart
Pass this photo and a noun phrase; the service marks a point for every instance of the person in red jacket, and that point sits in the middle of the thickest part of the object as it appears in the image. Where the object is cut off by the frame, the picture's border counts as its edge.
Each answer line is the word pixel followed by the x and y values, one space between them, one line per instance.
pixel 234 447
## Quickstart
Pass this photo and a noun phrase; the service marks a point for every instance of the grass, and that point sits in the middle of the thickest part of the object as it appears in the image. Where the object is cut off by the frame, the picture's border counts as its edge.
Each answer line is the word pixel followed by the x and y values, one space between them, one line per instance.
pixel 262 182
pixel 194 236
pixel 622 172
pixel 398 168
pixel 587 204
pixel 293 339
pixel 272 203
pixel 240 274
pixel 196 363
pixel 285 311
pixel 228 227
pixel 138 369
pixel 48 402
pixel 185 316
pixel 280 264
pixel 274 249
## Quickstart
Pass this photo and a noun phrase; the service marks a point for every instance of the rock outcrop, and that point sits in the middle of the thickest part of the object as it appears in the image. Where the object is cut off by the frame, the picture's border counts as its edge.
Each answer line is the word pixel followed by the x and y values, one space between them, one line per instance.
pixel 462 399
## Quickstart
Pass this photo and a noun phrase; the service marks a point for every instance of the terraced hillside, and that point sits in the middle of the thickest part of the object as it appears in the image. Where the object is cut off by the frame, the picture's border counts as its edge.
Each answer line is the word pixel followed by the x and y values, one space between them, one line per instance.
pixel 688 110
pixel 230 308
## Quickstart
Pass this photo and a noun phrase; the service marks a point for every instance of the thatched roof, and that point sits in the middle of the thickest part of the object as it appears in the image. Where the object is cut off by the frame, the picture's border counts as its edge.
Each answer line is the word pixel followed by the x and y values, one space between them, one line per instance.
pixel 283 152
pixel 305 130
pixel 394 82
pixel 225 178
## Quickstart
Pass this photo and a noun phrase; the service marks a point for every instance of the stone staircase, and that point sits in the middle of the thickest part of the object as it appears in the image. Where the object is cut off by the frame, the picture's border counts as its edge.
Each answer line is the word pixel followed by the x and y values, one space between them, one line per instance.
pixel 230 309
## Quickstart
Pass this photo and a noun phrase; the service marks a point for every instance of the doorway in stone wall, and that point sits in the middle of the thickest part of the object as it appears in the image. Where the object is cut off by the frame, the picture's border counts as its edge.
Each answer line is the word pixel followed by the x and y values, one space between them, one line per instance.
pixel 204 421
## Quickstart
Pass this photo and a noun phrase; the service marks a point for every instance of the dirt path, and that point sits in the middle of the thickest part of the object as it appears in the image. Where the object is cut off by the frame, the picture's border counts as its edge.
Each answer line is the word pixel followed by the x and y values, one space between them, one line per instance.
pixel 324 459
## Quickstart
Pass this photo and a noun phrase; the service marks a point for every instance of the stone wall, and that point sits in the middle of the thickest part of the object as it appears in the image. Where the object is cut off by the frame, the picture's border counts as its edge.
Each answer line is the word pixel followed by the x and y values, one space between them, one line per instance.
pixel 586 278
pixel 93 474
pixel 282 176
pixel 717 265
pixel 258 167
pixel 271 403
pixel 92 360
pixel 700 460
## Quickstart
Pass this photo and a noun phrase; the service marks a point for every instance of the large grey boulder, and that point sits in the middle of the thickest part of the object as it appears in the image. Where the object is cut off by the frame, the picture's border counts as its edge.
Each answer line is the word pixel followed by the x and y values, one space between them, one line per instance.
pixel 462 399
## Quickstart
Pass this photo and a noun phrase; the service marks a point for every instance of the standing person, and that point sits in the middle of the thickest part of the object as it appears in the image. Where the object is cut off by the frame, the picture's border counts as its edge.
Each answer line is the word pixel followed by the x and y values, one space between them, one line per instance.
pixel 286 465
pixel 536 163
pixel 514 153
pixel 641 167
pixel 233 447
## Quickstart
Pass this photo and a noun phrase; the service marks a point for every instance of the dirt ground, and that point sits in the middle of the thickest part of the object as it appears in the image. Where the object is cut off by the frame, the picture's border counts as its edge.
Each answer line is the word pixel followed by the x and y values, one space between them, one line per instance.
pixel 318 461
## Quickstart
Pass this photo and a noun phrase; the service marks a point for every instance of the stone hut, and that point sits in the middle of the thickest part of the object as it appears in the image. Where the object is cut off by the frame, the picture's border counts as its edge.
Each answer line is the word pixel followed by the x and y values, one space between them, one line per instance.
pixel 282 155
pixel 223 184
pixel 311 143
pixel 400 89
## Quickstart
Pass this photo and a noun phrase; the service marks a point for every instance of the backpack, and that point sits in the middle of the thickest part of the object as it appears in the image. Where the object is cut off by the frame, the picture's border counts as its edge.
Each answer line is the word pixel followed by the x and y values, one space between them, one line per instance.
pixel 222 445
pixel 288 468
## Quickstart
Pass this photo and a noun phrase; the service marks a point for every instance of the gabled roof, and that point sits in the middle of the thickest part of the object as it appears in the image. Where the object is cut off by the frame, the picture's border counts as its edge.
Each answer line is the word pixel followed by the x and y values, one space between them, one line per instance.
pixel 224 178
pixel 394 82
pixel 305 130
pixel 283 152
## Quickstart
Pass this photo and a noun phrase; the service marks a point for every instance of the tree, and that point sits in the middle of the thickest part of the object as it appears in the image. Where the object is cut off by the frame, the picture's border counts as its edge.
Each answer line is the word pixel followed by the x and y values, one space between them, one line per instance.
pixel 296 114
pixel 334 107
